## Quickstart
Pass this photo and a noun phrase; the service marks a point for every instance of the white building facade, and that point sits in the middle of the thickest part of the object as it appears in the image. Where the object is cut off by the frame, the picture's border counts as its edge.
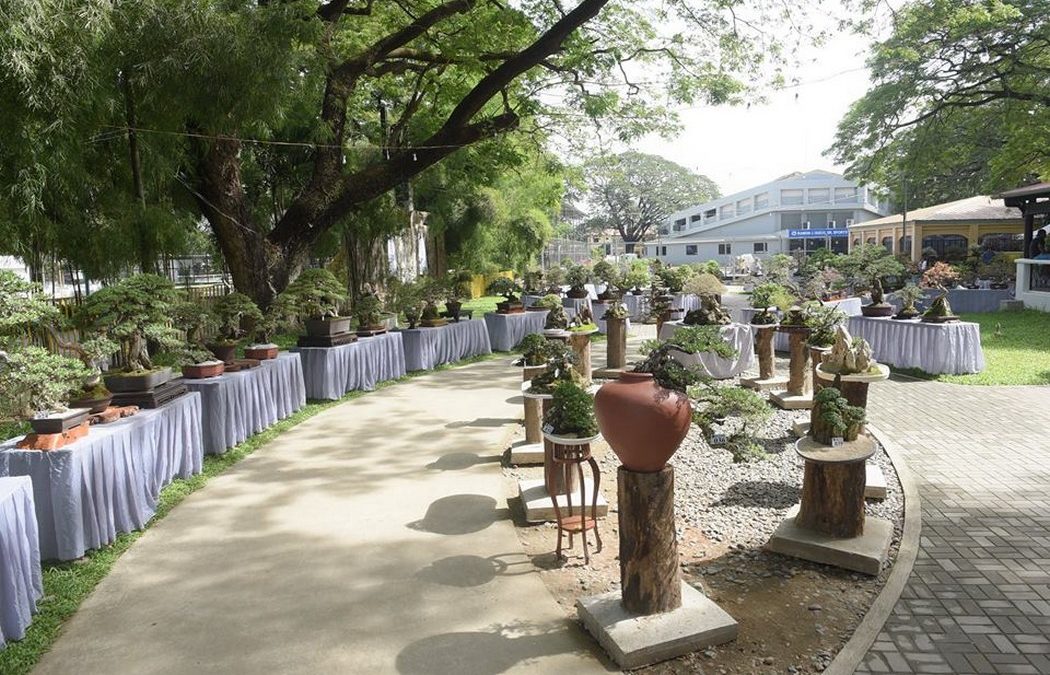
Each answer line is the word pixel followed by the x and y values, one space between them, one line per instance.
pixel 797 212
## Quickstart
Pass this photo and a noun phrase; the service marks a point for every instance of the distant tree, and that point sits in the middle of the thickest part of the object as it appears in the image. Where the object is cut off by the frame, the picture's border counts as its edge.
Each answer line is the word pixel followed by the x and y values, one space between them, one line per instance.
pixel 960 102
pixel 633 192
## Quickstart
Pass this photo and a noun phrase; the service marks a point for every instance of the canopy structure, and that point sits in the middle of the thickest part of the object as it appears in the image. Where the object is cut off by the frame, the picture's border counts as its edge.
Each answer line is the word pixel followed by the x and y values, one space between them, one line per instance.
pixel 1033 200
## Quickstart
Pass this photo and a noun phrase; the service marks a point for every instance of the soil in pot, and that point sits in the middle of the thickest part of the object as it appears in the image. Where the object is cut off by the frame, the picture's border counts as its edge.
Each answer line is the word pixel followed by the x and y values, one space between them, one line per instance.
pixel 120 382
pixel 94 405
pixel 223 351
pixel 369 331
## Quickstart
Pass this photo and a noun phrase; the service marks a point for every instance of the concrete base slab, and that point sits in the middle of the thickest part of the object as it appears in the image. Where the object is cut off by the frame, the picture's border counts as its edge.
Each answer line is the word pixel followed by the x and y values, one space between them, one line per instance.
pixel 758 384
pixel 786 401
pixel 800 429
pixel 634 641
pixel 539 507
pixel 875 482
pixel 523 453
pixel 864 554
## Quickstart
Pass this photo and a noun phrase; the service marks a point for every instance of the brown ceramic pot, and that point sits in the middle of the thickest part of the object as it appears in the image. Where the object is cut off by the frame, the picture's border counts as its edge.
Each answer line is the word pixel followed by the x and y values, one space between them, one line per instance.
pixel 642 422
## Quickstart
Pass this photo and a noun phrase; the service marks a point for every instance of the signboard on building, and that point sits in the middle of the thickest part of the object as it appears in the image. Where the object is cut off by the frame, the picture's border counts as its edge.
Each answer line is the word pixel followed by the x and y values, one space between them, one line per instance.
pixel 817 233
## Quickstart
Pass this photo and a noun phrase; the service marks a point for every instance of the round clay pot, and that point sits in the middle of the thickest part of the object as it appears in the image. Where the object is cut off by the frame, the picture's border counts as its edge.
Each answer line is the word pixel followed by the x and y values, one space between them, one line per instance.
pixel 642 422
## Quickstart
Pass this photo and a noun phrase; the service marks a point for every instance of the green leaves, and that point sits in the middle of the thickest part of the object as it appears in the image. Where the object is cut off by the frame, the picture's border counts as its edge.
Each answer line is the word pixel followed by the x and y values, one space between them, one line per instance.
pixel 34 380
pixel 571 412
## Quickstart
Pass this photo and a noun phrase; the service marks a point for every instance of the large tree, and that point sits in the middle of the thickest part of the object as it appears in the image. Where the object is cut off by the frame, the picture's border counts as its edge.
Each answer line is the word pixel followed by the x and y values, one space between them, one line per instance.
pixel 633 192
pixel 283 119
pixel 960 101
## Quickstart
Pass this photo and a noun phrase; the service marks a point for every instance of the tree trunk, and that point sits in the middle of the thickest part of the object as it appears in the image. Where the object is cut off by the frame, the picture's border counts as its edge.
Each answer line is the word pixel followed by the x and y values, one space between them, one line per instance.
pixel 764 346
pixel 649 576
pixel 833 499
pixel 856 393
pixel 816 357
pixel 147 256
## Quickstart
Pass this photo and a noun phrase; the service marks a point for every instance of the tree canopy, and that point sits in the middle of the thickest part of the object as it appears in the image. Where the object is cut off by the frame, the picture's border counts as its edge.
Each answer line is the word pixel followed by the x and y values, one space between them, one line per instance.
pixel 960 102
pixel 633 192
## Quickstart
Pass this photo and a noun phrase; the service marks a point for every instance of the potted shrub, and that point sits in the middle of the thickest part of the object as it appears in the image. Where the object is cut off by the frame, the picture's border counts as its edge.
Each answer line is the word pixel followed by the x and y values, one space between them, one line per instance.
pixel 557 320
pixel 637 277
pixel 833 416
pixel 534 351
pixel 577 277
pixel 368 310
pixel 455 290
pixel 674 278
pixel 405 297
pixel 570 414
pixel 718 404
pixel 533 282
pixel 939 311
pixel 36 385
pixel 510 290
pixel 231 313
pixel 554 277
pixel 908 296
pixel 316 296
pixel 613 278
pixel 195 361
pixel 866 267
pixel 765 297
pixel 560 368
pixel 942 275
pixel 134 312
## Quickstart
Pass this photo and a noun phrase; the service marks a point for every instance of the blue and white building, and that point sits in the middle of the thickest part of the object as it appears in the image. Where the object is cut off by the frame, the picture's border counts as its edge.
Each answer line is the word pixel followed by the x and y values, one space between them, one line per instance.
pixel 797 212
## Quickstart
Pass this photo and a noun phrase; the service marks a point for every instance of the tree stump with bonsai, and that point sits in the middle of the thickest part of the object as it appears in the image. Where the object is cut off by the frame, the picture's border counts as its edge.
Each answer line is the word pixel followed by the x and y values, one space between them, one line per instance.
pixel 816 357
pixel 649 576
pixel 581 346
pixel 833 487
pixel 764 346
pixel 798 368
pixel 616 344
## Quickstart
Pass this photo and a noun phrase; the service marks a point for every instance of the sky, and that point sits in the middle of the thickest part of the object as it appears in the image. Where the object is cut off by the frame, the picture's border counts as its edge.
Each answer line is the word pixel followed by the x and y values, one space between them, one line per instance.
pixel 742 147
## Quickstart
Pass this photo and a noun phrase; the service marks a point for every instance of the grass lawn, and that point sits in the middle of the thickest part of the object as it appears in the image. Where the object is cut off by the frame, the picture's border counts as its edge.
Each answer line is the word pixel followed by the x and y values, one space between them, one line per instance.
pixel 483 304
pixel 1016 349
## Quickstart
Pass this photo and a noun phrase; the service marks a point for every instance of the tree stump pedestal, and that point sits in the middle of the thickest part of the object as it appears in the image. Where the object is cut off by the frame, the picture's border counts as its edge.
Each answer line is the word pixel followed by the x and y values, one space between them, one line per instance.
pixel 798 393
pixel 530 451
pixel 829 525
pixel 655 616
pixel 580 342
pixel 767 379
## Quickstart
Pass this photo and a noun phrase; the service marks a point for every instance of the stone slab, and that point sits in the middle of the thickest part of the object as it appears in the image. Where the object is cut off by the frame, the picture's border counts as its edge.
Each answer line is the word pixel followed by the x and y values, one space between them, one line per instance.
pixel 539 508
pixel 800 429
pixel 864 554
pixel 786 401
pixel 758 384
pixel 875 482
pixel 634 641
pixel 523 453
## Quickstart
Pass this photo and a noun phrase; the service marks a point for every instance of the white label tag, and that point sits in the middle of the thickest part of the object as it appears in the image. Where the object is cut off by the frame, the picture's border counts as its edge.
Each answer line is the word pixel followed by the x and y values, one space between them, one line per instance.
pixel 837 441
pixel 549 429
pixel 718 439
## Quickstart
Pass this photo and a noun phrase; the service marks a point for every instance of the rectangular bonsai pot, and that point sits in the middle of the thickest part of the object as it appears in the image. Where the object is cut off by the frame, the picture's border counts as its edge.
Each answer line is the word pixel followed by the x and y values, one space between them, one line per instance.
pixel 199 371
pixel 57 423
pixel 327 327
pixel 261 353
pixel 127 382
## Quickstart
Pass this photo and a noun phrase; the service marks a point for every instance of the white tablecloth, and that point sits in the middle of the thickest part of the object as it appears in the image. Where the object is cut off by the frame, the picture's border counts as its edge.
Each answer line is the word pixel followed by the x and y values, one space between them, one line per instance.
pixel 235 406
pixel 636 305
pixel 848 306
pixel 687 302
pixel 429 347
pixel 740 336
pixel 598 310
pixel 936 348
pixel 506 331
pixel 21 584
pixel 108 482
pixel 331 372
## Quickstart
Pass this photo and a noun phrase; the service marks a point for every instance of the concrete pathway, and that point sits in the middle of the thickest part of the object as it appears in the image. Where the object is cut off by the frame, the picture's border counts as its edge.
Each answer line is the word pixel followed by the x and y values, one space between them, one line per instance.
pixel 373 538
pixel 978 600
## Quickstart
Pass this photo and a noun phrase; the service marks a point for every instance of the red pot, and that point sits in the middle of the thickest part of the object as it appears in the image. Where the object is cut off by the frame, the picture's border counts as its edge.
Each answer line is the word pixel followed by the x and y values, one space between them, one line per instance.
pixel 643 422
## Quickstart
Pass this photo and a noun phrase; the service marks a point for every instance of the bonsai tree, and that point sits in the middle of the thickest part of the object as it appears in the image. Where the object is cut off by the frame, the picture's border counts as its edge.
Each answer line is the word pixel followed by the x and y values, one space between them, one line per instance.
pixel 508 288
pixel 942 275
pixel 555 277
pixel 701 339
pixel 557 319
pixel 533 281
pixel 315 294
pixel 22 306
pixel 534 350
pixel 940 310
pixel 780 267
pixel 908 296
pixel 456 289
pixel 231 313
pixel 674 278
pixel 560 368
pixel 823 322
pixel 368 309
pixel 549 302
pixel 710 313
pixel 616 311
pixel 710 267
pixel 637 276
pixel 196 324
pixel 405 297
pixel 133 312
pixel 34 382
pixel 571 412
pixel 867 265
pixel 744 407
pixel 704 284
pixel 668 372
pixel 577 276
pixel 766 296
pixel 834 416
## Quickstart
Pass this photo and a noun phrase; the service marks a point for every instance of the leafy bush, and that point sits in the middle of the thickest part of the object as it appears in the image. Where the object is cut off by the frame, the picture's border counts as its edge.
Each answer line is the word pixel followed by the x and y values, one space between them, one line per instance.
pixel 550 301
pixel 940 275
pixel 508 288
pixel 35 381
pixel 704 283
pixel 368 310
pixel 577 276
pixel 674 278
pixel 823 321
pixel 571 412
pixel 767 295
pixel 315 294
pixel 231 311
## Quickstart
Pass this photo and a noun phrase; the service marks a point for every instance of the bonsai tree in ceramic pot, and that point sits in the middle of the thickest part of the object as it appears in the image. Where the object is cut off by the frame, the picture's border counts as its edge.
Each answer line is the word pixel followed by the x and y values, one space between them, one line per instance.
pixel 405 297
pixel 232 312
pixel 577 276
pixel 511 292
pixel 908 296
pixel 554 277
pixel 368 310
pixel 637 277
pixel 456 290
pixel 532 281
pixel 709 289
pixel 535 350
pixel 36 384
pixel 316 296
pixel 674 277
pixel 866 267
pixel 765 297
pixel 571 412
pixel 134 312
pixel 612 276
pixel 192 357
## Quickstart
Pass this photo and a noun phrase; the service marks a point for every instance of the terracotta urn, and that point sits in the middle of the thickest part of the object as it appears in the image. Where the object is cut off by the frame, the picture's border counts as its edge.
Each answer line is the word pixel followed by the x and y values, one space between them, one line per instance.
pixel 642 422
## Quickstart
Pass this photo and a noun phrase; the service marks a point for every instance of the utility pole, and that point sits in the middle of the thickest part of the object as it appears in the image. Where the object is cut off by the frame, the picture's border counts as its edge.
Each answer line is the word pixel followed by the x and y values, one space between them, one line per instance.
pixel 904 215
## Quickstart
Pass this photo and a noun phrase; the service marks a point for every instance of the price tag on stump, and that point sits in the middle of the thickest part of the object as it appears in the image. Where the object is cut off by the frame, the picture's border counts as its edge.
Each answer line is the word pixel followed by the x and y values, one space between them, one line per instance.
pixel 549 429
pixel 837 441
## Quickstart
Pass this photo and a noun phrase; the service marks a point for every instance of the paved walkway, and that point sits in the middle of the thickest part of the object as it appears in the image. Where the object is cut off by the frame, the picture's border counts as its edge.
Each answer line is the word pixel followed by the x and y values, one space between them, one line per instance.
pixel 372 538
pixel 978 600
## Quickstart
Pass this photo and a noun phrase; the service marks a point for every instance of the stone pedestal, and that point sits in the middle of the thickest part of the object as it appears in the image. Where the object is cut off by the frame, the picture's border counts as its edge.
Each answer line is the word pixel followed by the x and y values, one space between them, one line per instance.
pixel 764 335
pixel 539 507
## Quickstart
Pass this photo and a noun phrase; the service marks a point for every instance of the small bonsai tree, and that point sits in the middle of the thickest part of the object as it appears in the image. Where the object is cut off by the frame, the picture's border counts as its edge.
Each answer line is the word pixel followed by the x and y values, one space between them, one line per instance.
pixel 196 324
pixel 533 281
pixel 836 417
pixel 637 276
pixel 457 287
pixel 704 284
pixel 939 310
pixel 133 312
pixel 746 408
pixel 35 382
pixel 560 368
pixel 571 412
pixel 710 313
pixel 941 275
pixel 908 296
pixel 405 297
pixel 867 266
pixel 315 294
pixel 549 302
pixel 368 309
pixel 555 277
pixel 508 288
pixel 702 339
pixel 766 296
pixel 779 268
pixel 674 278
pixel 231 313
pixel 616 311
pixel 577 276
pixel 557 319
pixel 823 322
pixel 534 350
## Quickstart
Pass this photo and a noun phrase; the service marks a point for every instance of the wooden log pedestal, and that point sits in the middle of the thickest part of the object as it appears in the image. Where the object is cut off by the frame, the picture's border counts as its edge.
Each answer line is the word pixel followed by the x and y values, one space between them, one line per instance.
pixel 816 357
pixel 580 342
pixel 854 387
pixel 655 616
pixel 616 344
pixel 530 451
pixel 767 370
pixel 798 393
pixel 829 525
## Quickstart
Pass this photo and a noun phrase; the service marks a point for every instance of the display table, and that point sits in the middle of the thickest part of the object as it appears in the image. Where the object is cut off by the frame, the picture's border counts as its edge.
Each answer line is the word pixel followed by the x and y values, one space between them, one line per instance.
pixel 636 305
pixel 108 482
pixel 331 372
pixel 429 347
pixel 235 406
pixel 848 306
pixel 740 336
pixel 936 348
pixel 963 300
pixel 21 584
pixel 506 331
pixel 687 302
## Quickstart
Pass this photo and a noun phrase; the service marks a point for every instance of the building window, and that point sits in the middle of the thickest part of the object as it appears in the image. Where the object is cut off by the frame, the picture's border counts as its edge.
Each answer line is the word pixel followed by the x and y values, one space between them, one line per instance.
pixel 950 247
pixel 905 244
pixel 818 220
pixel 887 243
pixel 663 250
pixel 819 196
pixel 679 225
pixel 1002 241
pixel 842 218
pixel 710 214
pixel 726 211
pixel 790 221
pixel 725 249
pixel 871 240
pixel 743 206
pixel 761 201
pixel 664 230
pixel 695 218
pixel 761 247
pixel 846 195
pixel 790 197
pixel 690 249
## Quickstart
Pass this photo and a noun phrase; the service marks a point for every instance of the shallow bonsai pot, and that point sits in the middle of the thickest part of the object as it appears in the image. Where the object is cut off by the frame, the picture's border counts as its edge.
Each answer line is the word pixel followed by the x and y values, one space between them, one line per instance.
pixel 947 318
pixel 882 373
pixel 223 351
pixel 120 383
pixel 907 316
pixel 534 308
pixel 433 323
pixel 453 309
pixel 369 331
pixel 577 293
pixel 261 352
pixel 880 310
pixel 199 371
pixel 784 328
pixel 57 423
pixel 93 405
pixel 510 308
pixel 327 327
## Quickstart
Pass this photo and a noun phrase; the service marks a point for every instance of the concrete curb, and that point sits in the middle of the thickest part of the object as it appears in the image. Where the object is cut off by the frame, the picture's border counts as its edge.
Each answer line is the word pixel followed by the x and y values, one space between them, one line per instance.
pixel 854 651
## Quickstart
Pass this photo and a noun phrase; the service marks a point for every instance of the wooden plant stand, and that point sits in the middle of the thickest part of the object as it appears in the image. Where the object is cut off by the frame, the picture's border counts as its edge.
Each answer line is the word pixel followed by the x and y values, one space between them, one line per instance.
pixel 616 345
pixel 798 393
